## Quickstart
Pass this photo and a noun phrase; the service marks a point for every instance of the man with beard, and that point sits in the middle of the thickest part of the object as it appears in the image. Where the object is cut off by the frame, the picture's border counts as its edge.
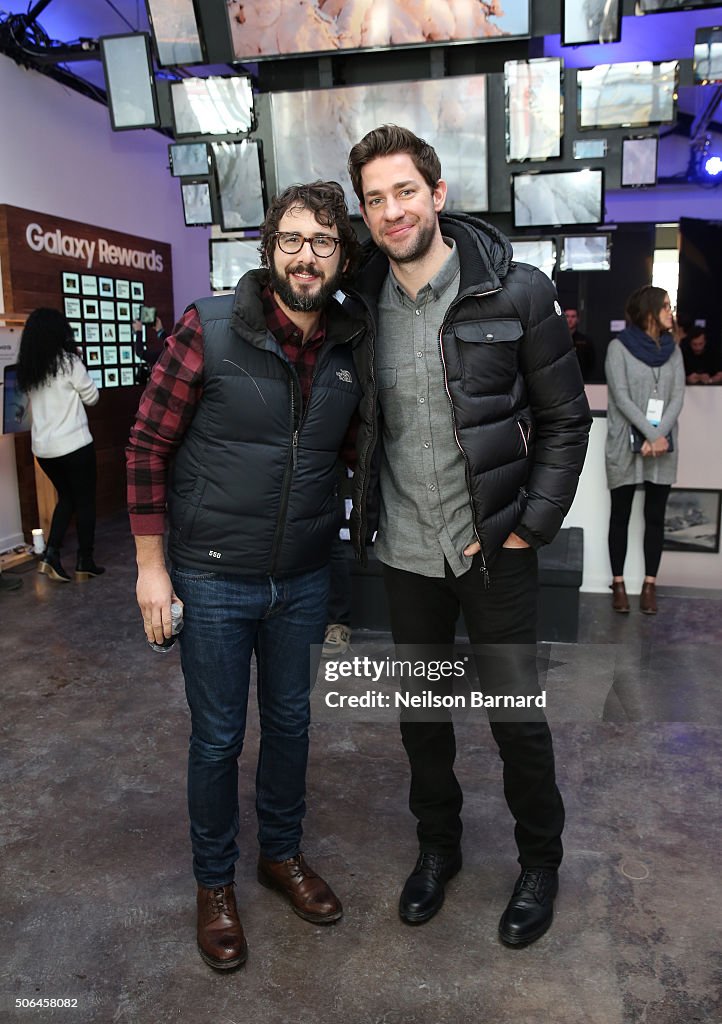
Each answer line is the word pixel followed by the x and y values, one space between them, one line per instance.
pixel 239 431
pixel 482 434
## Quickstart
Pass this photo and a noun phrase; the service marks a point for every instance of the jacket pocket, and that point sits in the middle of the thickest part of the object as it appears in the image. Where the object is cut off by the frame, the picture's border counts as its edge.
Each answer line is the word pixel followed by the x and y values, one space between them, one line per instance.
pixel 190 510
pixel 386 377
pixel 488 351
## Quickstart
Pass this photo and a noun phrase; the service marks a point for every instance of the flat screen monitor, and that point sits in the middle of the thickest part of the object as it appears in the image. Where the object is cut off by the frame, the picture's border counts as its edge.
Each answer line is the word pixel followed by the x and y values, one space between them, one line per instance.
pixel 230 259
pixel 658 6
pixel 538 252
pixel 189 159
pixel 260 29
pixel 240 188
pixel 585 252
pixel 534 108
pixel 175 31
pixel 629 95
pixel 450 113
pixel 591 21
pixel 129 81
pixel 212 106
pixel 590 149
pixel 197 206
pixel 558 197
pixel 16 404
pixel 708 56
pixel 639 162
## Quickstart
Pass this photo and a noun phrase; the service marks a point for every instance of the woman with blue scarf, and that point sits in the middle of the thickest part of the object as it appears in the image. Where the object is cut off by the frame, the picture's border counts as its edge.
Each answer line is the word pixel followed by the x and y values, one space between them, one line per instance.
pixel 645 378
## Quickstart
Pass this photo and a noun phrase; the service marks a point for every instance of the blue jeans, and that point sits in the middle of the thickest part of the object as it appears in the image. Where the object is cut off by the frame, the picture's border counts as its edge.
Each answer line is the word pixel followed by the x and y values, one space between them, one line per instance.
pixel 226 619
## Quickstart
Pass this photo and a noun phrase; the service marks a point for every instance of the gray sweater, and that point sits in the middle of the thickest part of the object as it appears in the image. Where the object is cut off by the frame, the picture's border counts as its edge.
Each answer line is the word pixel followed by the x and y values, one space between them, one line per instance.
pixel 631 383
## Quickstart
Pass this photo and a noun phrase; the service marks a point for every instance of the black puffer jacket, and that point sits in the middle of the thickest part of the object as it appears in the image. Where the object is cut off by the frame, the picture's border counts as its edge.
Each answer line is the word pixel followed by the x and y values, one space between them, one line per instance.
pixel 521 417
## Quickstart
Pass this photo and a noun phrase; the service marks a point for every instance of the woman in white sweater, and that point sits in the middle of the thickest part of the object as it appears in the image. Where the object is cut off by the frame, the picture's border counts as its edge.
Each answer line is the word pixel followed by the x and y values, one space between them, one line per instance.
pixel 645 379
pixel 58 386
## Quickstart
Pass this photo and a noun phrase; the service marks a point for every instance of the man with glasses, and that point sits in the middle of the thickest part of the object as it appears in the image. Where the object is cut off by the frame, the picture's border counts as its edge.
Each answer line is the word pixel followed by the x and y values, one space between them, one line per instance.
pixel 239 430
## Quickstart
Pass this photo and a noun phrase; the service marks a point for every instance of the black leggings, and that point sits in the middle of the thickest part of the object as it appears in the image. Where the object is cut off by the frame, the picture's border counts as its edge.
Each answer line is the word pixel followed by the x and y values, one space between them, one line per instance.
pixel 655 501
pixel 73 476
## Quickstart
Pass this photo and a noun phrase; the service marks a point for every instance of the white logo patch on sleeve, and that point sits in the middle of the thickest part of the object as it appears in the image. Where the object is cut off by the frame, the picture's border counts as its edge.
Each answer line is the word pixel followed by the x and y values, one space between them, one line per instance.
pixel 557 308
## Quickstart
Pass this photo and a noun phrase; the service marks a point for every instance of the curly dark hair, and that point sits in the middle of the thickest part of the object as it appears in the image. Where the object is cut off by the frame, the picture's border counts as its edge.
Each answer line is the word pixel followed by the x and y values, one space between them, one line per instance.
pixel 326 201
pixel 46 345
pixel 386 141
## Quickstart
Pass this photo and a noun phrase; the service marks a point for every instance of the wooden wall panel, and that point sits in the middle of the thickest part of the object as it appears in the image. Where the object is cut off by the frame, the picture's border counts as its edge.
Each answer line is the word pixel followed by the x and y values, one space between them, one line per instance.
pixel 32 277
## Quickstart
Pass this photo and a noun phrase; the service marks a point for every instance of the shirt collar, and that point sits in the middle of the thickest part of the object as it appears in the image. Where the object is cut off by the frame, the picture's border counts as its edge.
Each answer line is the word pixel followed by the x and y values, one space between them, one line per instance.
pixel 282 328
pixel 441 280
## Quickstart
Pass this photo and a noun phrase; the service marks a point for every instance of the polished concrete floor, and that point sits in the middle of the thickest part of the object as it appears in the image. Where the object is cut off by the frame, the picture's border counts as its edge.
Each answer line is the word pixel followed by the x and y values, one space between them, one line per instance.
pixel 97 895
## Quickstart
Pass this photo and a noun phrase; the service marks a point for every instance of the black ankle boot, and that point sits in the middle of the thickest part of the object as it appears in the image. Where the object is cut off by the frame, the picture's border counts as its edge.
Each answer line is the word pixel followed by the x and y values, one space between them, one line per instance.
pixel 85 567
pixel 49 564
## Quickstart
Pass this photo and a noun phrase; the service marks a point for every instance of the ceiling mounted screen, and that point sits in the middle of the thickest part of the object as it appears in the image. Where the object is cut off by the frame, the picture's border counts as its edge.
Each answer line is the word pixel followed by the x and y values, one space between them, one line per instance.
pixel 189 159
pixel 708 56
pixel 627 95
pixel 591 21
pixel 639 162
pixel 533 101
pixel 212 106
pixel 129 81
pixel 175 32
pixel 197 207
pixel 450 113
pixel 230 259
pixel 558 197
pixel 240 190
pixel 538 252
pixel 261 29
pixel 585 252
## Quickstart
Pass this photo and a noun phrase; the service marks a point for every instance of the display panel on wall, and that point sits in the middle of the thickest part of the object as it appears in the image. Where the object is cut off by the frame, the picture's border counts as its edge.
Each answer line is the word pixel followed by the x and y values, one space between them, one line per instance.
pixel 591 21
pixel 534 108
pixel 692 520
pixel 197 207
pixel 230 259
pixel 657 6
pixel 259 29
pixel 538 252
pixel 450 113
pixel 630 95
pixel 175 32
pixel 212 106
pixel 639 161
pixel 589 149
pixel 189 159
pixel 129 81
pixel 586 252
pixel 240 188
pixel 708 56
pixel 558 197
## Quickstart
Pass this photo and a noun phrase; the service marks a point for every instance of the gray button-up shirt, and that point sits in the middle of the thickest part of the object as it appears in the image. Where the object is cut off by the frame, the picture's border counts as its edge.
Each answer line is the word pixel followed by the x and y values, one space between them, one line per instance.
pixel 425 507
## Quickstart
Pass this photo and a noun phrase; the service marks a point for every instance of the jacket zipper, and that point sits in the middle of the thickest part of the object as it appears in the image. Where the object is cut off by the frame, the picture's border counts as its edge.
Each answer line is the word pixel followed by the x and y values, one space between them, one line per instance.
pixel 479 295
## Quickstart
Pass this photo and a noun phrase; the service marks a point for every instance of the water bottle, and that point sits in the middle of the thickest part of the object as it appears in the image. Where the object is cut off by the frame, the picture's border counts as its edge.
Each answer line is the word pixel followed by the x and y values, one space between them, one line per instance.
pixel 176 618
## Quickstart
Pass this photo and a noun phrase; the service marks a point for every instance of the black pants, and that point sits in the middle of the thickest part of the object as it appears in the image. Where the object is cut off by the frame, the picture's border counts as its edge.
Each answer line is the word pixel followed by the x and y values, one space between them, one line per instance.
pixel 424 612
pixel 74 477
pixel 655 502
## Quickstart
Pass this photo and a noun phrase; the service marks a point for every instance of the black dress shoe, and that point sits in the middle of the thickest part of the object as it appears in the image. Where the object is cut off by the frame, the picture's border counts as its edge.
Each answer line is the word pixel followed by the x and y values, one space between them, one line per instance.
pixel 423 893
pixel 531 907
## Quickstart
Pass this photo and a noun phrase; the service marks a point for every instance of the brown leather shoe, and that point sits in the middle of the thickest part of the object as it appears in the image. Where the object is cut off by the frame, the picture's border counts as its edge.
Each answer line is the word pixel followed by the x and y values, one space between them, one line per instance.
pixel 620 601
pixel 311 898
pixel 221 941
pixel 648 599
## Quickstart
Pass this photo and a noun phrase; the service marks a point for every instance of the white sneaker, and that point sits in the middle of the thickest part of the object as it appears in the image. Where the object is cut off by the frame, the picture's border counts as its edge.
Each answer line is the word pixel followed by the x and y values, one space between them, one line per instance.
pixel 336 641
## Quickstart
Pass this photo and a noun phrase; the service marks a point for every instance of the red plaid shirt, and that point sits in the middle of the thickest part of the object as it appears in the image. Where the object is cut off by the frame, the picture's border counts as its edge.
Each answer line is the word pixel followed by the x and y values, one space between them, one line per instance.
pixel 169 402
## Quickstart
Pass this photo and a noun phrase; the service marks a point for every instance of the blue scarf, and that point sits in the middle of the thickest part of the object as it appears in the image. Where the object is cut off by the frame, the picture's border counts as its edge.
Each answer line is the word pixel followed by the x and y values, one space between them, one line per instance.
pixel 644 348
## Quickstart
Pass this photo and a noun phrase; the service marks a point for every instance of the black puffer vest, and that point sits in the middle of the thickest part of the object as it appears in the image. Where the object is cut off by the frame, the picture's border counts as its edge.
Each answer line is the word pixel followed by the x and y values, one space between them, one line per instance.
pixel 253 484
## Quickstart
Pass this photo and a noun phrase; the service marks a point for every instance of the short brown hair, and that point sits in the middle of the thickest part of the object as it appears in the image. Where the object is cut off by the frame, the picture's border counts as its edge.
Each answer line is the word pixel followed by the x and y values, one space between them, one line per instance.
pixel 326 201
pixel 386 141
pixel 645 302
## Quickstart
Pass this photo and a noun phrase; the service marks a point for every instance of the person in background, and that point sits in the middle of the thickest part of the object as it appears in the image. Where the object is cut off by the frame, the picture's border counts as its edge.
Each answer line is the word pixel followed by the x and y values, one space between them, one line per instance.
pixel 251 404
pixel 582 345
pixel 58 386
pixel 481 436
pixel 701 365
pixel 148 350
pixel 645 379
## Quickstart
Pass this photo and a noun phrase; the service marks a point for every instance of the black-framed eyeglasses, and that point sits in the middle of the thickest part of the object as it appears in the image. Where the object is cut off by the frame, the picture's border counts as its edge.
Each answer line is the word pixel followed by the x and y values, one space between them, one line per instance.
pixel 291 243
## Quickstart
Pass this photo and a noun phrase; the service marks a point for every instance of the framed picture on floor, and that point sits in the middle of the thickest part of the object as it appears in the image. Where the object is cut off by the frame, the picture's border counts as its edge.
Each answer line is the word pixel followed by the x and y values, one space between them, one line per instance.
pixel 692 520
